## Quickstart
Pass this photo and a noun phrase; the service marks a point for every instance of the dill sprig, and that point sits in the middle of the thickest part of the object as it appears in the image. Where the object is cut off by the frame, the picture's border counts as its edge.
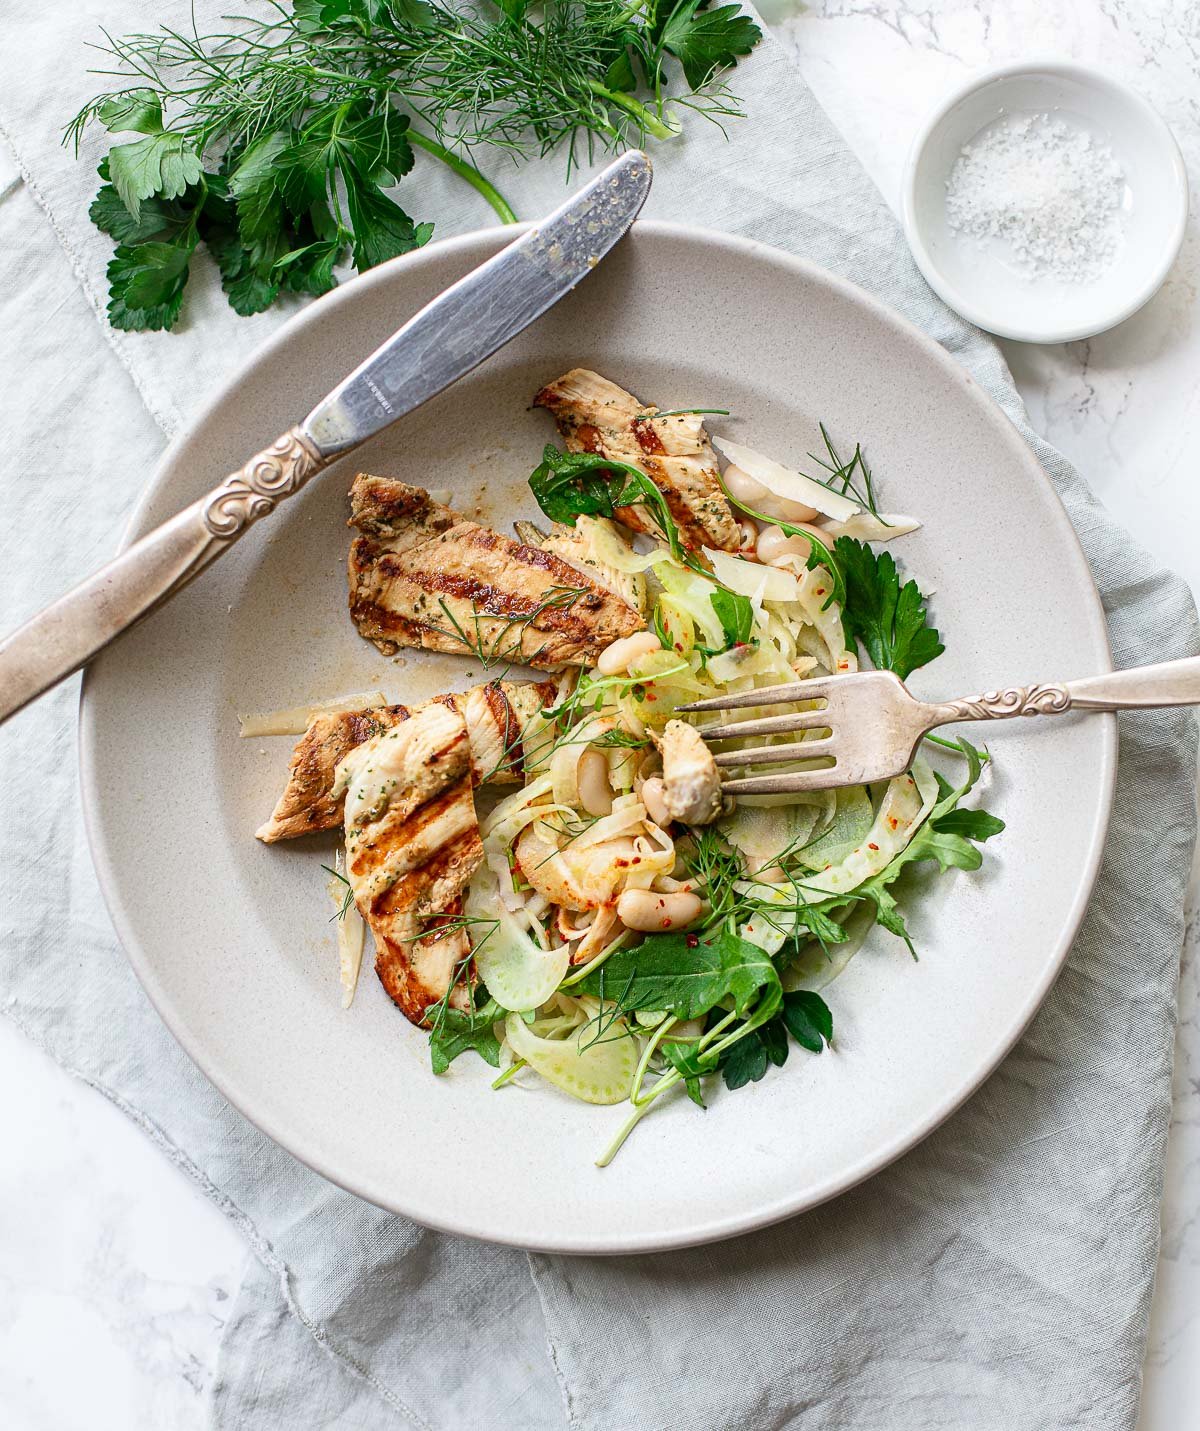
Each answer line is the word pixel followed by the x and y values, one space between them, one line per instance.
pixel 504 645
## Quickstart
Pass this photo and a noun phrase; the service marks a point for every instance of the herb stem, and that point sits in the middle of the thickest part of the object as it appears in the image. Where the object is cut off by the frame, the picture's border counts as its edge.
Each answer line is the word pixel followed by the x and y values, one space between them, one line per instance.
pixel 645 116
pixel 466 171
pixel 665 1083
pixel 510 1072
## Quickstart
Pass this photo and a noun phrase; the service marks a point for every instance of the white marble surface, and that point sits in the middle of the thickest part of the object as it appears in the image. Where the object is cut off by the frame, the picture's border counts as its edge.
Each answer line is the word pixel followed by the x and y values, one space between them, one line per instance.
pixel 111 1303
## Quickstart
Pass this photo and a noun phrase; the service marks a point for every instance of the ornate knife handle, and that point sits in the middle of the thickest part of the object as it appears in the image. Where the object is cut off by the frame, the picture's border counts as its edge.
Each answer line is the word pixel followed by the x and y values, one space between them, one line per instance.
pixel 1170 683
pixel 68 634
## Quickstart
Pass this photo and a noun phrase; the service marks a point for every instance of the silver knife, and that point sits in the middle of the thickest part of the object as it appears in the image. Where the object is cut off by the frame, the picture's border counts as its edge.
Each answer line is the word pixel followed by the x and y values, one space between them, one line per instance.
pixel 436 347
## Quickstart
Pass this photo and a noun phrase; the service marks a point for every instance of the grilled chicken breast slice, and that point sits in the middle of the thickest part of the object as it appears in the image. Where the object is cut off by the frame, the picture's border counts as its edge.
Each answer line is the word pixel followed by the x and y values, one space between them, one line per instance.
pixel 423 575
pixel 595 415
pixel 412 845
pixel 497 716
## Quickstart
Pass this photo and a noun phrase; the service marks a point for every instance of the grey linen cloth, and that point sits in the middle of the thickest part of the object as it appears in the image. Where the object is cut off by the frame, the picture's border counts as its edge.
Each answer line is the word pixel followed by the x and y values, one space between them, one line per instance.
pixel 998 1276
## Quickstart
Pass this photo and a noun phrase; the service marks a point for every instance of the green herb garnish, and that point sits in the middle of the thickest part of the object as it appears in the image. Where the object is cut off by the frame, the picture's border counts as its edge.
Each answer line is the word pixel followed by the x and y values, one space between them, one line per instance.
pixel 889 619
pixel 277 141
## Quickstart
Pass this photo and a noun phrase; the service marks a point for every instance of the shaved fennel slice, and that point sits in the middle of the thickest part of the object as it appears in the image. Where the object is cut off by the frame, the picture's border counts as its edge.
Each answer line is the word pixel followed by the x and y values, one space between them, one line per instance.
pixel 295 720
pixel 519 974
pixel 784 482
pixel 851 824
pixel 351 935
pixel 867 527
pixel 908 800
pixel 817 967
pixel 595 1072
pixel 752 578
pixel 595 547
pixel 764 834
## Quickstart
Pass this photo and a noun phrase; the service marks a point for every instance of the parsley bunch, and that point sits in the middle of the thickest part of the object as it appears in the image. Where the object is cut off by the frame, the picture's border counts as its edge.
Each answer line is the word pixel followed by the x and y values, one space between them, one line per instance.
pixel 277 144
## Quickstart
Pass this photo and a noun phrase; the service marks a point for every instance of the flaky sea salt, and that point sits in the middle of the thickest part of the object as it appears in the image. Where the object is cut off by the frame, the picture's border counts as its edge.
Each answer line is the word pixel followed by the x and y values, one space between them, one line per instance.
pixel 1050 192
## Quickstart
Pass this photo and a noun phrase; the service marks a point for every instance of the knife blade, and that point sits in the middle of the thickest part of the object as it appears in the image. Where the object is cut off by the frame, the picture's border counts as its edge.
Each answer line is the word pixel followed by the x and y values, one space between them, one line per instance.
pixel 481 312
pixel 451 335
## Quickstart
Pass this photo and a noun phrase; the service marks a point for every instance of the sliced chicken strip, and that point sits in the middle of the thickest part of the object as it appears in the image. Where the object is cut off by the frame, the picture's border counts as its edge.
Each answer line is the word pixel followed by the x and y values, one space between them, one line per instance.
pixel 497 716
pixel 595 415
pixel 423 575
pixel 412 845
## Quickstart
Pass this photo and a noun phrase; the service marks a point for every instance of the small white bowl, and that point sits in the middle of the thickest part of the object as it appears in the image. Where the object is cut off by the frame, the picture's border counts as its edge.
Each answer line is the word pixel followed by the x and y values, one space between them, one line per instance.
pixel 980 280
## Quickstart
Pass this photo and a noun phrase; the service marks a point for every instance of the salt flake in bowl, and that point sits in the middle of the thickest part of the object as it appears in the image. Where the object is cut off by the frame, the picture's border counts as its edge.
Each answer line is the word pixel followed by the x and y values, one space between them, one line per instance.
pixel 1045 201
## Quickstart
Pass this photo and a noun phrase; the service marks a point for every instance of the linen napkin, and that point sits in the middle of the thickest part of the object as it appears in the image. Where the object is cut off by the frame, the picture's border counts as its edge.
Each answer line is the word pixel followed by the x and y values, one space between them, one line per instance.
pixel 997 1276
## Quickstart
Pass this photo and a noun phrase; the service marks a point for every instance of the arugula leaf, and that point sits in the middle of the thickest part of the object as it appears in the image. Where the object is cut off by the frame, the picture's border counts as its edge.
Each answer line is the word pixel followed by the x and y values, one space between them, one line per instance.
pixel 946 837
pixel 735 612
pixel 705 41
pixel 693 1064
pixel 685 974
pixel 807 1018
pixel 457 1030
pixel 146 283
pixel 581 484
pixel 889 619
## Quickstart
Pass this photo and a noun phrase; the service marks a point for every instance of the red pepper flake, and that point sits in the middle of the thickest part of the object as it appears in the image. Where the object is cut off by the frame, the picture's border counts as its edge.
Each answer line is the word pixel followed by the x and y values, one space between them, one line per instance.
pixel 692 940
pixel 871 846
pixel 820 591
pixel 892 821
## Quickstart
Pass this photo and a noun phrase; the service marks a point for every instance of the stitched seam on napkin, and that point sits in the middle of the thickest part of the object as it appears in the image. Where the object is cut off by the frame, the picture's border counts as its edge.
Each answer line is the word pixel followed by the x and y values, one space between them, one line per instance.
pixel 564 1386
pixel 259 1245
pixel 99 309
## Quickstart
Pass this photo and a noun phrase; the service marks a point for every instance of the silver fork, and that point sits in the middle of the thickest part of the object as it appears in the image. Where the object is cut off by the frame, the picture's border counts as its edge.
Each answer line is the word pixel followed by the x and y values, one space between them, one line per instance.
pixel 874 723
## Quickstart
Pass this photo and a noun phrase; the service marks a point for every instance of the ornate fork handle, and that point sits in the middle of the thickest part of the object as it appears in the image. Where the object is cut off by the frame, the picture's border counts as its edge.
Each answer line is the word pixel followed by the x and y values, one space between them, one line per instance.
pixel 1170 683
pixel 1001 704
pixel 66 635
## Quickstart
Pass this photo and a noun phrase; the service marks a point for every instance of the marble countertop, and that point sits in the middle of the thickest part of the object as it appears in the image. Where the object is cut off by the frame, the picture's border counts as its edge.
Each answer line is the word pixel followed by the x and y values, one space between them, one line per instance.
pixel 134 1277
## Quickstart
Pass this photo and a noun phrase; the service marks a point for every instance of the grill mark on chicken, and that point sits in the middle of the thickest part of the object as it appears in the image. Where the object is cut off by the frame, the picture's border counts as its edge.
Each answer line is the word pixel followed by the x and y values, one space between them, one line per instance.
pixel 307 803
pixel 423 575
pixel 412 845
pixel 505 719
pixel 595 415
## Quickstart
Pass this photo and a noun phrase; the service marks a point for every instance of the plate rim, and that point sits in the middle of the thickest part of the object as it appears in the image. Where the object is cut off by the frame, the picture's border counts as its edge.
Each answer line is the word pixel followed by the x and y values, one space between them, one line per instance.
pixel 716 1228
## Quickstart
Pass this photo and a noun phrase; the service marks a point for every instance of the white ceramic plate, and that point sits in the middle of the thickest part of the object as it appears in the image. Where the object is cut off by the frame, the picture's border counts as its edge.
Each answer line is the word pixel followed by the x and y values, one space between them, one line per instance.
pixel 231 938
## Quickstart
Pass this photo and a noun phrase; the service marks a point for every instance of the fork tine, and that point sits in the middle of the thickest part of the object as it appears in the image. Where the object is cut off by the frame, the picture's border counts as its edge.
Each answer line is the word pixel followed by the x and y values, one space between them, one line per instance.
pixel 794 783
pixel 768 725
pixel 774 754
pixel 816 689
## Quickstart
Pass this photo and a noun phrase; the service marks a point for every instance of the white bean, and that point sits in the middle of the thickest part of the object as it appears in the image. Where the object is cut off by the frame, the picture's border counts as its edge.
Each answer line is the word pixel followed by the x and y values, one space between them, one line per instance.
pixel 654 797
pixel 649 913
pixel 595 792
pixel 742 486
pixel 617 658
pixel 775 545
